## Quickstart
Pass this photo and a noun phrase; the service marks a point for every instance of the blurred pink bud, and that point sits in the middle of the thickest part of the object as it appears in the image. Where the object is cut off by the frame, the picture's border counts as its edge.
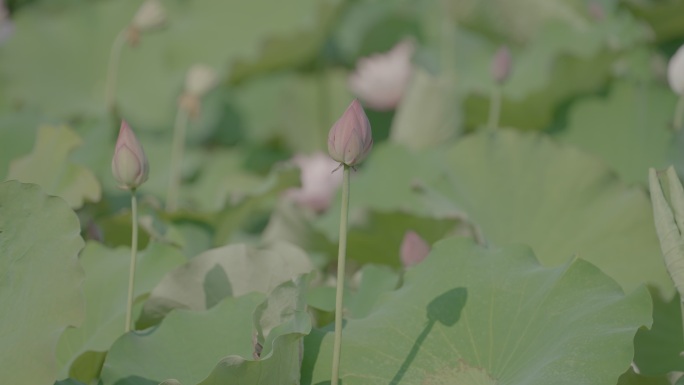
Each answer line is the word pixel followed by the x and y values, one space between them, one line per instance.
pixel 350 138
pixel 413 249
pixel 319 184
pixel 6 25
pixel 675 72
pixel 380 80
pixel 596 11
pixel 501 65
pixel 129 164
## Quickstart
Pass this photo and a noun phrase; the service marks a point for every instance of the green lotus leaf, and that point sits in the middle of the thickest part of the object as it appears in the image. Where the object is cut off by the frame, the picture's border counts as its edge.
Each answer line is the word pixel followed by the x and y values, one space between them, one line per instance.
pixel 629 130
pixel 228 271
pixel 471 315
pixel 49 166
pixel 220 345
pixel 105 291
pixel 40 281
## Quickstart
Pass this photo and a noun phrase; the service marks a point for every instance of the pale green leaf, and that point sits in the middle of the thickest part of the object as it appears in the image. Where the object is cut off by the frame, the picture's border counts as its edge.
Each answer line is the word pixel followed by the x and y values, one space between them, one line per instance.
pixel 470 315
pixel 40 281
pixel 49 166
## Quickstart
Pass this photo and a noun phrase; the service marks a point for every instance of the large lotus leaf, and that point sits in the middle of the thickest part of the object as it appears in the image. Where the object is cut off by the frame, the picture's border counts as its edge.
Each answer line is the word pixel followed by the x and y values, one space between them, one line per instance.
pixel 20 130
pixel 658 349
pixel 40 281
pixel 49 166
pixel 188 345
pixel 524 188
pixel 73 38
pixel 630 129
pixel 470 315
pixel 662 16
pixel 105 290
pixel 232 270
pixel 302 108
pixel 632 378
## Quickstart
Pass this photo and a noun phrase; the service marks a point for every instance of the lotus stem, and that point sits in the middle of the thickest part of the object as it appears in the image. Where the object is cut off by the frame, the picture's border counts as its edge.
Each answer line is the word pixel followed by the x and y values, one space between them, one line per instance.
pixel 113 69
pixel 177 151
pixel 134 251
pixel 341 256
pixel 494 108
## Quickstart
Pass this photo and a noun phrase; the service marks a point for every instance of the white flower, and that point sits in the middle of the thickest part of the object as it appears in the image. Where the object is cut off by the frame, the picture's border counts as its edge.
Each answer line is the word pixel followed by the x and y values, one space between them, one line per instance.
pixel 200 80
pixel 150 15
pixel 319 183
pixel 675 71
pixel 380 80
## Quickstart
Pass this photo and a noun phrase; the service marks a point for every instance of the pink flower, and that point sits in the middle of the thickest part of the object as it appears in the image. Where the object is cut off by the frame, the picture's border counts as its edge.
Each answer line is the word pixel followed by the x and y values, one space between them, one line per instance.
pixel 319 184
pixel 129 164
pixel 501 65
pixel 413 249
pixel 350 138
pixel 380 80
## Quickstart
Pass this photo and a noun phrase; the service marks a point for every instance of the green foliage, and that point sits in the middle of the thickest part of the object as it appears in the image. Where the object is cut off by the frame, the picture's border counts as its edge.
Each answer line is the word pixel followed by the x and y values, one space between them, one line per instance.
pixel 486 316
pixel 40 280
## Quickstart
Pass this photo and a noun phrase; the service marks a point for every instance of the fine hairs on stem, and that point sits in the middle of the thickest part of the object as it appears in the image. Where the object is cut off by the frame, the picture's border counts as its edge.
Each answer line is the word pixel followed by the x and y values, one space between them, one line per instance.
pixel 134 251
pixel 177 159
pixel 113 69
pixel 341 257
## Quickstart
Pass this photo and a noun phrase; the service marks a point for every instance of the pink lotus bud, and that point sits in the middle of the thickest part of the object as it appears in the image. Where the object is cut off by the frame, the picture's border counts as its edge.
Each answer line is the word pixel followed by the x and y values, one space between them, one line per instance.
pixel 501 65
pixel 129 164
pixel 596 11
pixel 380 80
pixel 675 72
pixel 413 249
pixel 319 184
pixel 350 138
pixel 150 15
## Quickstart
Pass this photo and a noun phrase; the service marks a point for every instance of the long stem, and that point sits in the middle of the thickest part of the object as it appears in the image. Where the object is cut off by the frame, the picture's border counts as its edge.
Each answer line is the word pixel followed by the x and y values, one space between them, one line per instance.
pixel 134 251
pixel 494 108
pixel 177 151
pixel 341 256
pixel 113 69
pixel 679 114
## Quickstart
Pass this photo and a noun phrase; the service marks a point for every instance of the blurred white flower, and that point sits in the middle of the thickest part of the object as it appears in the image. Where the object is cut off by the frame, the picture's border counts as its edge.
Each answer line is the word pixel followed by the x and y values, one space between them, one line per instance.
pixel 675 72
pixel 319 183
pixel 200 80
pixel 150 15
pixel 381 79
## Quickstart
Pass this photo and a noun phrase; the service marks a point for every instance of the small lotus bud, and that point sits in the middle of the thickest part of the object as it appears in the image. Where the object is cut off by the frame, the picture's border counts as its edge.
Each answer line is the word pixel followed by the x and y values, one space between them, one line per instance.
pixel 413 249
pixel 200 80
pixel 350 138
pixel 596 11
pixel 129 164
pixel 501 65
pixel 675 72
pixel 381 80
pixel 150 15
pixel 6 25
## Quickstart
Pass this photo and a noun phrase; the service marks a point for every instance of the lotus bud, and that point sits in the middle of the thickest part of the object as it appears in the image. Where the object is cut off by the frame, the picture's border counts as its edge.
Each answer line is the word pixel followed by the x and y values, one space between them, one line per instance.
pixel 675 72
pixel 350 138
pixel 596 11
pixel 381 80
pixel 129 164
pixel 413 249
pixel 200 80
pixel 6 25
pixel 501 65
pixel 150 15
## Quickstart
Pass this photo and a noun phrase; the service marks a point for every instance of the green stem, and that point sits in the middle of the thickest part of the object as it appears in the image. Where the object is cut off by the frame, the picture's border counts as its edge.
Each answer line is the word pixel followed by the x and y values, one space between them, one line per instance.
pixel 341 256
pixel 113 69
pixel 177 150
pixel 494 108
pixel 324 106
pixel 679 114
pixel 134 251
